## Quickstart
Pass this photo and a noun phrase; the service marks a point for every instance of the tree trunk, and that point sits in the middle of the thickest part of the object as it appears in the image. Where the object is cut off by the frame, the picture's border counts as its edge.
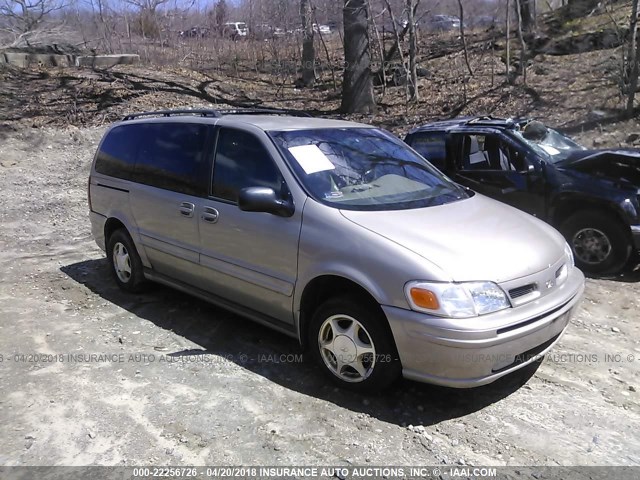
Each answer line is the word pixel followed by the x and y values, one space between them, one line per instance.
pixel 523 45
pixel 357 85
pixel 527 12
pixel 308 51
pixel 632 59
pixel 508 43
pixel 463 39
pixel 413 71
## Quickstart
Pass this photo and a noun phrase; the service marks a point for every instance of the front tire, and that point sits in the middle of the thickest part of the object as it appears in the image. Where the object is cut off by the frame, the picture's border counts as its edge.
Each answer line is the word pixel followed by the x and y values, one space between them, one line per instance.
pixel 600 243
pixel 353 345
pixel 125 262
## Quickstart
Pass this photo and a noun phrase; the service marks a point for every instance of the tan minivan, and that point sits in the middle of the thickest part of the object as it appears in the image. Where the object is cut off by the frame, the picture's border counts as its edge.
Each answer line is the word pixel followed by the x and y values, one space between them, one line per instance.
pixel 335 233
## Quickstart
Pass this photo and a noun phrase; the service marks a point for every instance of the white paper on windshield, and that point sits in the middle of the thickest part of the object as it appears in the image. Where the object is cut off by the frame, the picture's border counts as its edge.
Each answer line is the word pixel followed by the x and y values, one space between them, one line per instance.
pixel 549 149
pixel 311 159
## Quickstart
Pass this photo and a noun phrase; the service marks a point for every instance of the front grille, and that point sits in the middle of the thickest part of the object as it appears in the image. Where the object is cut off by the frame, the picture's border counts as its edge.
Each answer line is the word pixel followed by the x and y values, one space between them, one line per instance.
pixel 522 290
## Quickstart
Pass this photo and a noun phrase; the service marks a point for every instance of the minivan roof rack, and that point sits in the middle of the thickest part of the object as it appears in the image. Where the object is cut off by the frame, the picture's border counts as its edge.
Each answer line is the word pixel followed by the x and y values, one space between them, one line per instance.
pixel 217 113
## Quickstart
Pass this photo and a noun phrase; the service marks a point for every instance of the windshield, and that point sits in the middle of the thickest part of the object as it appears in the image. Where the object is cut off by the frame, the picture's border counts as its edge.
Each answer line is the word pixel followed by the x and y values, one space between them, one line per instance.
pixel 552 144
pixel 364 169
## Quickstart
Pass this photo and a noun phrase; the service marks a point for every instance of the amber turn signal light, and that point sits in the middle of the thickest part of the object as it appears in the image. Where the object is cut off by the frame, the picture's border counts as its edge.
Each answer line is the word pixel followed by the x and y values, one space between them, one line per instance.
pixel 424 298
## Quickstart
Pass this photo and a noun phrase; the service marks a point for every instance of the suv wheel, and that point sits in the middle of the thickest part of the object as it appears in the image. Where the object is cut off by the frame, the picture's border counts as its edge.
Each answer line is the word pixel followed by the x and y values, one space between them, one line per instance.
pixel 348 339
pixel 600 243
pixel 125 262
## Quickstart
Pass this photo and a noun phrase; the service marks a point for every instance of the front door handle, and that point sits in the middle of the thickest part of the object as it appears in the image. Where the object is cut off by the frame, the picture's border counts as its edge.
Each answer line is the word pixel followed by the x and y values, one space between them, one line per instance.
pixel 210 215
pixel 186 209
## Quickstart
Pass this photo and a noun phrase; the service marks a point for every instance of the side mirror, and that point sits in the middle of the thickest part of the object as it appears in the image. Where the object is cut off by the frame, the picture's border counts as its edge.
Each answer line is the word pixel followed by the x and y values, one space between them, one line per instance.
pixel 263 199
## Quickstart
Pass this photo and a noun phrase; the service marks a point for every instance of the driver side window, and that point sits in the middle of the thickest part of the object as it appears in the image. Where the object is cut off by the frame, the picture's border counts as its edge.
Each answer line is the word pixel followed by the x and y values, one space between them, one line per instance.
pixel 241 161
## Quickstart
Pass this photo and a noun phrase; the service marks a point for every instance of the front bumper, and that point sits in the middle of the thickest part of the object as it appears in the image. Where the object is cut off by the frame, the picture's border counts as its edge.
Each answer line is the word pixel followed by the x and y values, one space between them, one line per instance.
pixel 466 354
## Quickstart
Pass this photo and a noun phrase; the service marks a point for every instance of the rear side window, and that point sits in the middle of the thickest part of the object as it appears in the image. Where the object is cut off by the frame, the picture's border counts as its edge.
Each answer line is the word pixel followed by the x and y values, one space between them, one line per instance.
pixel 173 156
pixel 432 146
pixel 242 161
pixel 118 151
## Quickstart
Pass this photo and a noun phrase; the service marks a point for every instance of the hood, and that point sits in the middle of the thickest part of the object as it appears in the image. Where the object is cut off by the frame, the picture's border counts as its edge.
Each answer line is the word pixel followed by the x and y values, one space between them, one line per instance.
pixel 617 165
pixel 472 239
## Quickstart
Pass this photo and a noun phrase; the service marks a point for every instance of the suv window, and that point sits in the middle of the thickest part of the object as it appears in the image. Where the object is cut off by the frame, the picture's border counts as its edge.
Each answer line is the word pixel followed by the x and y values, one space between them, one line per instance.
pixel 241 161
pixel 172 156
pixel 433 147
pixel 117 153
pixel 488 152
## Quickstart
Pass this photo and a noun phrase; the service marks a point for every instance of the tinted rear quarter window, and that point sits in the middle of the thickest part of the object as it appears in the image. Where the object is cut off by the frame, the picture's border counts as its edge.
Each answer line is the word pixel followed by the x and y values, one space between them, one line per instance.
pixel 118 151
pixel 432 146
pixel 173 156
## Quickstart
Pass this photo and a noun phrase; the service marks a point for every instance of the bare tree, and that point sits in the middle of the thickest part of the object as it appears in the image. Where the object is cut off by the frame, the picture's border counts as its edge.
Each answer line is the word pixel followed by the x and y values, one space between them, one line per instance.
pixel 527 12
pixel 633 58
pixel 523 44
pixel 357 85
pixel 308 50
pixel 463 38
pixel 413 48
pixel 508 43
pixel 26 15
pixel 221 12
pixel 148 17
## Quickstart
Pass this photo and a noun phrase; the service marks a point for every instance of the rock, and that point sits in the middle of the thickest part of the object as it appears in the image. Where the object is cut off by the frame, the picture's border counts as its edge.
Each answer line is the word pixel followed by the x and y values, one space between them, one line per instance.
pixel 632 137
pixel 615 329
pixel 91 435
pixel 632 388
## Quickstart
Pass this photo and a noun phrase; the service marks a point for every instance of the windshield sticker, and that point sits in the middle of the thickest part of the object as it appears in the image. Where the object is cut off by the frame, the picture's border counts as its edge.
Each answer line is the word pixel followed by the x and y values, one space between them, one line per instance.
pixel 311 159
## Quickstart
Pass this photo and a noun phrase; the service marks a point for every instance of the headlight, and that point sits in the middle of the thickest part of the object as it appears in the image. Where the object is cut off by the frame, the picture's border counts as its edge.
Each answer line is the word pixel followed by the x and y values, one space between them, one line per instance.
pixel 456 300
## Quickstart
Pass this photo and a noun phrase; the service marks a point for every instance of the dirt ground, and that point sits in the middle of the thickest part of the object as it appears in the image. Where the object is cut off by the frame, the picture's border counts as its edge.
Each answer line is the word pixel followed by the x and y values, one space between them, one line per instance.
pixel 91 375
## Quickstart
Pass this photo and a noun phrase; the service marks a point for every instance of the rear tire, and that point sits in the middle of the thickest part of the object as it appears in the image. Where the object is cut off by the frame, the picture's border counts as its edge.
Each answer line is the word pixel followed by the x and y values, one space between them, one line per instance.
pixel 125 262
pixel 350 340
pixel 600 243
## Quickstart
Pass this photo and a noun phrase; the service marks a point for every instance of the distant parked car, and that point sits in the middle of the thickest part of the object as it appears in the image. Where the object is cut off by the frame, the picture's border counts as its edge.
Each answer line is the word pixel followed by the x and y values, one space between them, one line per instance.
pixel 235 30
pixel 265 32
pixel 442 23
pixel 322 29
pixel 195 32
pixel 591 196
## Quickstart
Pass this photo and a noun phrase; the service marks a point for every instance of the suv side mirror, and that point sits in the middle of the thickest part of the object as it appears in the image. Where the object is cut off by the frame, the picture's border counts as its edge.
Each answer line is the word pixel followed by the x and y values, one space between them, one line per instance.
pixel 263 199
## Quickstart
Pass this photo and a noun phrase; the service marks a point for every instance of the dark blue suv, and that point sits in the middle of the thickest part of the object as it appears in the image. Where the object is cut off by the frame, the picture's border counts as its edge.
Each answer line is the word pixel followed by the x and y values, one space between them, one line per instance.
pixel 591 196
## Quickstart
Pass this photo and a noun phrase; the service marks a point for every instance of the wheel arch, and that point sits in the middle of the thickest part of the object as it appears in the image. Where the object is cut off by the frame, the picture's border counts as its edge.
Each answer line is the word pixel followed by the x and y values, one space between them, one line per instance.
pixel 568 205
pixel 323 287
pixel 116 222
